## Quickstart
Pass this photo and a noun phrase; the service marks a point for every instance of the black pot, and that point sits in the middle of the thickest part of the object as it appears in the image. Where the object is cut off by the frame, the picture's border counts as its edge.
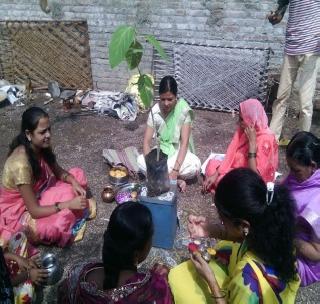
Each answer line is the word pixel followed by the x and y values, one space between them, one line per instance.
pixel 157 173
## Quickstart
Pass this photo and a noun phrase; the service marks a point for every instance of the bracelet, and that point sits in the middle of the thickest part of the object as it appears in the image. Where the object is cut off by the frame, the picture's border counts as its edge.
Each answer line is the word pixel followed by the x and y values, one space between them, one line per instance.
pixel 252 155
pixel 56 205
pixel 176 170
pixel 223 292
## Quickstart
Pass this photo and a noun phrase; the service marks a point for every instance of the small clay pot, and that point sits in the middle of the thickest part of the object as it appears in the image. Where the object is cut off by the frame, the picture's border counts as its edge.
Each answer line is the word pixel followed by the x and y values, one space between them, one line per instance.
pixel 107 194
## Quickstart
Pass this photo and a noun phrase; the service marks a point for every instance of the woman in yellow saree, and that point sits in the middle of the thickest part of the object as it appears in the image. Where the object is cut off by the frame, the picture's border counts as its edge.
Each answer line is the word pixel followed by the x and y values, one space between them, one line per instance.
pixel 258 264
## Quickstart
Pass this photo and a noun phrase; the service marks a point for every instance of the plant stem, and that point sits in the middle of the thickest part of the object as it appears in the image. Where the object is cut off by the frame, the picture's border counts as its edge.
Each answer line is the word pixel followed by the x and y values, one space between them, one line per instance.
pixel 157 136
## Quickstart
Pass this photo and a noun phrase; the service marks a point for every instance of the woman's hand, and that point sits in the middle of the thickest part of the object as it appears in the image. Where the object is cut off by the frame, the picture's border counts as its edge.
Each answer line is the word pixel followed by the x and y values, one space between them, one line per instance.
pixel 251 134
pixel 21 261
pixel 78 190
pixel 38 275
pixel 78 203
pixel 202 267
pixel 206 272
pixel 208 182
pixel 161 269
pixel 173 175
pixel 198 226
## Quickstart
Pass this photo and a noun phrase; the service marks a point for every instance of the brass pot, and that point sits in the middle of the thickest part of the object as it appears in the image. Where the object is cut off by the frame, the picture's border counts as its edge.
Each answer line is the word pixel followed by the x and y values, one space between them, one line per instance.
pixel 107 194
pixel 118 175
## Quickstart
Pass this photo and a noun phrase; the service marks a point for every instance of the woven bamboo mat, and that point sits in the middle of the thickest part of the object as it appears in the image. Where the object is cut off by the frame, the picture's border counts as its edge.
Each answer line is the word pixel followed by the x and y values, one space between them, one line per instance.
pixel 43 51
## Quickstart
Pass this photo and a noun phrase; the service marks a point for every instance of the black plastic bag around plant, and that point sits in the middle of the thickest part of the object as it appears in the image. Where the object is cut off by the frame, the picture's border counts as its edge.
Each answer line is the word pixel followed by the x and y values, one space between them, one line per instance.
pixel 157 173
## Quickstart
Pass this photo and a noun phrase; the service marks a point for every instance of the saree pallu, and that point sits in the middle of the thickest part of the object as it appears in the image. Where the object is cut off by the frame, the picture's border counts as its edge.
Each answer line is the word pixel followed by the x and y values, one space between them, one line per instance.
pixel 143 288
pixel 244 278
pixel 307 197
pixel 60 228
pixel 170 130
pixel 253 114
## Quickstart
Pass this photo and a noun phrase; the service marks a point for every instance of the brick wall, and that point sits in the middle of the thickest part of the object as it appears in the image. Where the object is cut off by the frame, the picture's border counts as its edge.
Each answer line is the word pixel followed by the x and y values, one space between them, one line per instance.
pixel 221 22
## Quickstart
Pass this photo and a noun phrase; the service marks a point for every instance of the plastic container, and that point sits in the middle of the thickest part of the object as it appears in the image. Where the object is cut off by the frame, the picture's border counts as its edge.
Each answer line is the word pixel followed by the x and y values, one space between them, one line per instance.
pixel 164 214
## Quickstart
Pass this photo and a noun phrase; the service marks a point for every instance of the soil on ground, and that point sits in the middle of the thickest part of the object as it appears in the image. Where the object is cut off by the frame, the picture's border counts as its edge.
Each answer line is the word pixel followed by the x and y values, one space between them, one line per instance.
pixel 79 138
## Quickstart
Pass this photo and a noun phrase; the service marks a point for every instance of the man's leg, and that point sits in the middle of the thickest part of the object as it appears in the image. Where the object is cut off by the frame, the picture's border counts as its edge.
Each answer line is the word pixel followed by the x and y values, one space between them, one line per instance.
pixel 288 76
pixel 306 88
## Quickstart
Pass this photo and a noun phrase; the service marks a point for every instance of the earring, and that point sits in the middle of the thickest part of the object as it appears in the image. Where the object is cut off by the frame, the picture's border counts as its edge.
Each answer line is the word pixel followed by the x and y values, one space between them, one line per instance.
pixel 245 231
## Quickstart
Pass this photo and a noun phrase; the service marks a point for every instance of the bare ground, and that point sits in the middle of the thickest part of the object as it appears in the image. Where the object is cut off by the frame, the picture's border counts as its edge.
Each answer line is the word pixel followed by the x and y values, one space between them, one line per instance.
pixel 79 138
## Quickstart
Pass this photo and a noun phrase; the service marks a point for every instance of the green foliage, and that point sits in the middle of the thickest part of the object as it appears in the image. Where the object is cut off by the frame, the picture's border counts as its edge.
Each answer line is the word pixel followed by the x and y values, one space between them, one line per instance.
pixel 134 55
pixel 121 40
pixel 145 88
pixel 124 45
pixel 155 43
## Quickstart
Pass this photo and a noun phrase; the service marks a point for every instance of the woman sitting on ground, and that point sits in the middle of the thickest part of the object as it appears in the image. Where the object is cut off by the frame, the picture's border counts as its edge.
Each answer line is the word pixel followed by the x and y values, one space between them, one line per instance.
pixel 303 181
pixel 127 242
pixel 38 196
pixel 172 121
pixel 253 146
pixel 257 264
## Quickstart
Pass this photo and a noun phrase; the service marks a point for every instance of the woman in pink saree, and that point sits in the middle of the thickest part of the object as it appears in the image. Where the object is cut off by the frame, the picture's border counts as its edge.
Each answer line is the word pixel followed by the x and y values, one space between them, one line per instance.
pixel 127 242
pixel 303 181
pixel 253 146
pixel 38 196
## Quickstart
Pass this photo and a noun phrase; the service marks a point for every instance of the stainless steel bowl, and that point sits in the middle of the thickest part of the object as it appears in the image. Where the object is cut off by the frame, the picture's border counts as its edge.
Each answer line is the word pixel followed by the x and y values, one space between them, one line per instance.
pixel 127 192
pixel 117 181
pixel 50 263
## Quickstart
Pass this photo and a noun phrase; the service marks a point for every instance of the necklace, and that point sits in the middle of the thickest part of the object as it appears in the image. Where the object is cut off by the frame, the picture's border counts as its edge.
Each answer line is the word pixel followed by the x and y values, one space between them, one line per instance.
pixel 127 289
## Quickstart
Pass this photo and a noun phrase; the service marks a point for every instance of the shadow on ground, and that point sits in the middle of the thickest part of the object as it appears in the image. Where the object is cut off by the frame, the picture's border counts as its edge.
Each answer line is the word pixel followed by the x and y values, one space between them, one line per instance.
pixel 79 138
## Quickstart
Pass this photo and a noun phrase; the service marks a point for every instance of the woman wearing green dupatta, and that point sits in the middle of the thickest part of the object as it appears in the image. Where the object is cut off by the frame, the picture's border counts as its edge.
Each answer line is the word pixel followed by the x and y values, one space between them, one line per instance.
pixel 172 120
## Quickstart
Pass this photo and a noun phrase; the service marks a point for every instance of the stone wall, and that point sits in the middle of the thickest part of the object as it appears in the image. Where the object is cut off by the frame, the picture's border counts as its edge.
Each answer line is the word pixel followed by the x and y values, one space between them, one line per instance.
pixel 220 22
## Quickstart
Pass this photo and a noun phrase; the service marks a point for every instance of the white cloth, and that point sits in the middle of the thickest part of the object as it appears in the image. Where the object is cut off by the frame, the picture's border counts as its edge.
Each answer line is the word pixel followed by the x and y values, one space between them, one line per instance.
pixel 188 170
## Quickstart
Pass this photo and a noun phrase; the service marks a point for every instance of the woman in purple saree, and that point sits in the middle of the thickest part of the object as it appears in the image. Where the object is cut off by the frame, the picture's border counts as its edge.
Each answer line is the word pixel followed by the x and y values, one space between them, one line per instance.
pixel 303 158
pixel 127 242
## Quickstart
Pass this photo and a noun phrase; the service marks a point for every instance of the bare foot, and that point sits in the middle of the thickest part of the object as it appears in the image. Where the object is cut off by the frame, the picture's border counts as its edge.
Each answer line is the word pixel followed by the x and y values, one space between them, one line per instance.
pixel 182 185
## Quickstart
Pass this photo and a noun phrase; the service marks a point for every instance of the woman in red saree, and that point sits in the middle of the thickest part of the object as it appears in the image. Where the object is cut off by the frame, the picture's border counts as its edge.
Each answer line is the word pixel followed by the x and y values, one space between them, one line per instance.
pixel 253 146
pixel 127 242
pixel 38 196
